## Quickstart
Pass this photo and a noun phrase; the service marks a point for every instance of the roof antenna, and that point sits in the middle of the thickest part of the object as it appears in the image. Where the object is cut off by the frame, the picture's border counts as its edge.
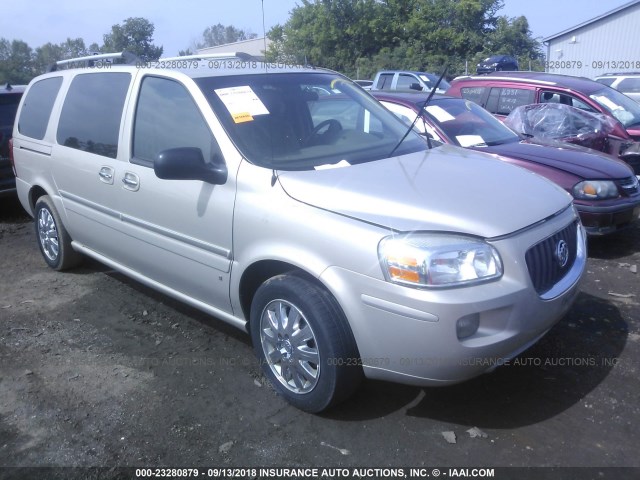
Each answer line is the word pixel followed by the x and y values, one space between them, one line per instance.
pixel 433 90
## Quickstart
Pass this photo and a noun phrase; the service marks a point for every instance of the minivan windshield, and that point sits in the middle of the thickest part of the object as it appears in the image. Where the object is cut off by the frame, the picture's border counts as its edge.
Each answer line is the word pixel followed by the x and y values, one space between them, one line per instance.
pixel 300 121
pixel 623 108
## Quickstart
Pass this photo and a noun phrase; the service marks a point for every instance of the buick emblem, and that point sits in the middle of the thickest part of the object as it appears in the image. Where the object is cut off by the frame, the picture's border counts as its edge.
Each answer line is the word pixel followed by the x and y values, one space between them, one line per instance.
pixel 562 253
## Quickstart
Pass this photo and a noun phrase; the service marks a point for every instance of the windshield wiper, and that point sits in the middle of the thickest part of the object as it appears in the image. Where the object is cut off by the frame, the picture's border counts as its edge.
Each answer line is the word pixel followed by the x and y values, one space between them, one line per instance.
pixel 424 105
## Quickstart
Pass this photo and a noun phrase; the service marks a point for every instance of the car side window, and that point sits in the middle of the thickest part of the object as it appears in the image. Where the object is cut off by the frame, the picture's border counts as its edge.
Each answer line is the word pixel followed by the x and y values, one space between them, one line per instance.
pixel 168 117
pixel 405 81
pixel 384 81
pixel 37 107
pixel 564 99
pixel 502 101
pixel 92 113
pixel 475 94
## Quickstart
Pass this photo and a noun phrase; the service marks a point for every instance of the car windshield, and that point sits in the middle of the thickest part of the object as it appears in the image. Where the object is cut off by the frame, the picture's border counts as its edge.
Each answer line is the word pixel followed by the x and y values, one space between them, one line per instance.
pixel 301 121
pixel 623 108
pixel 467 124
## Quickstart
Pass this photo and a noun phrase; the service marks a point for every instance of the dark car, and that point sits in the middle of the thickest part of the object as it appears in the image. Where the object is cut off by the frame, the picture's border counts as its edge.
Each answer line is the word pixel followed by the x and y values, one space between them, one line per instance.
pixel 501 93
pixel 9 100
pixel 605 190
pixel 497 63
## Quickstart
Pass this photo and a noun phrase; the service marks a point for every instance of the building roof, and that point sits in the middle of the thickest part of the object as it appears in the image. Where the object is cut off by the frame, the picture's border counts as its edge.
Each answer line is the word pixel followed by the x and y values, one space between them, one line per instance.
pixel 593 20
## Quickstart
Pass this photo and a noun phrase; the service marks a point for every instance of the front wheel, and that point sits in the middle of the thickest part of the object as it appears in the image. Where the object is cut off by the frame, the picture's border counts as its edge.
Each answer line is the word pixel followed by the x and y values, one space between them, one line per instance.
pixel 304 343
pixel 53 239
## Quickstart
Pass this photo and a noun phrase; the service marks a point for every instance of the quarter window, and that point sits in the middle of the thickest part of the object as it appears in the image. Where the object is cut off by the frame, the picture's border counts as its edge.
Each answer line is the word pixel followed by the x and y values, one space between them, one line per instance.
pixel 36 110
pixel 92 112
pixel 475 94
pixel 167 117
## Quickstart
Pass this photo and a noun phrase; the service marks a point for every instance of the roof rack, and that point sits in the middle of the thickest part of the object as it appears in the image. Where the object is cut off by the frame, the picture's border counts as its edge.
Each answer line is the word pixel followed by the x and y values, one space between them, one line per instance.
pixel 89 60
pixel 212 56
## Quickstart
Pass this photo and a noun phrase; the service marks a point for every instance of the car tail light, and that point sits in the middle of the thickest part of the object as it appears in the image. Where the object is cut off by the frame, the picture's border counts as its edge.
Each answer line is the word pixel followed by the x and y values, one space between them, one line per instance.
pixel 13 164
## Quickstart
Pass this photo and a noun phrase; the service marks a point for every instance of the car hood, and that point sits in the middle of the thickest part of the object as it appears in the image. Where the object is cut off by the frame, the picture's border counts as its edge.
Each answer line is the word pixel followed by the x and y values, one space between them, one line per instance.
pixel 444 189
pixel 578 161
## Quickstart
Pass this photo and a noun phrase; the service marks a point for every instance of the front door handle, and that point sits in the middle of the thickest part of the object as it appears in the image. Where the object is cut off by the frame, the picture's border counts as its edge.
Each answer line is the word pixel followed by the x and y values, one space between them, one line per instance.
pixel 131 181
pixel 106 175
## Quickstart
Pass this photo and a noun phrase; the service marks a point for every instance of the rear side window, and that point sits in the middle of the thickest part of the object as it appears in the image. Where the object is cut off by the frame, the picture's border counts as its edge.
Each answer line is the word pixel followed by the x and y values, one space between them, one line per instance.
pixel 37 106
pixel 475 94
pixel 384 81
pixel 92 112
pixel 167 117
pixel 502 101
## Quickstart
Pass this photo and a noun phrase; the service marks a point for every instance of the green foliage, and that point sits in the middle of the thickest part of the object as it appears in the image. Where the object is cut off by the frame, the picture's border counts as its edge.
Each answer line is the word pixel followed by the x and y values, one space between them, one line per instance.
pixel 136 36
pixel 220 35
pixel 15 62
pixel 360 37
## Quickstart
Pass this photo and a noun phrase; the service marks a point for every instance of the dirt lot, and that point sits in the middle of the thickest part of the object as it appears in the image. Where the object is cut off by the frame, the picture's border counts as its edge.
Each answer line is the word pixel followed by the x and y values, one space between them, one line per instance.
pixel 97 370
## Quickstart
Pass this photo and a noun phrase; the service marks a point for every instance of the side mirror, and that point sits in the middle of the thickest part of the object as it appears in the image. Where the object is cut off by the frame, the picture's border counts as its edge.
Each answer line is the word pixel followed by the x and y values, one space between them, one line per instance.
pixel 415 86
pixel 187 163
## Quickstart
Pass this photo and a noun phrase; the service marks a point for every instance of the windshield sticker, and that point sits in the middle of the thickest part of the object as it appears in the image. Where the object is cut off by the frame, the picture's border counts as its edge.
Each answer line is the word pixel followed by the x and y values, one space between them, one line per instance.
pixel 242 102
pixel 440 113
pixel 340 164
pixel 470 140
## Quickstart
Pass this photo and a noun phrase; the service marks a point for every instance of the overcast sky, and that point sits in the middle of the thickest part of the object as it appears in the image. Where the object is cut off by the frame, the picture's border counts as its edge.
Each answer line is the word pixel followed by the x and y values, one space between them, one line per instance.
pixel 179 23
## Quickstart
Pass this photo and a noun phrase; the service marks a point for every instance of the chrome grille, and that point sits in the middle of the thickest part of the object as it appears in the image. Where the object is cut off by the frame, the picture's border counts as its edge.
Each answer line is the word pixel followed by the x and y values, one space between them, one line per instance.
pixel 629 185
pixel 544 259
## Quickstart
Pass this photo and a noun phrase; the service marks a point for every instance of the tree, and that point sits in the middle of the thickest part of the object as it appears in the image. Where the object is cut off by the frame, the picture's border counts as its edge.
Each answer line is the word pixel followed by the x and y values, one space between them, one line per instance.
pixel 136 36
pixel 49 53
pixel 16 65
pixel 513 37
pixel 362 36
pixel 220 35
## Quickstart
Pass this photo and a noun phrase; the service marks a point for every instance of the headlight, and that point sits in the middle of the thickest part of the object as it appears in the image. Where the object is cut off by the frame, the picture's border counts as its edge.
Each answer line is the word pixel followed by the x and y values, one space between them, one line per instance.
pixel 438 260
pixel 595 190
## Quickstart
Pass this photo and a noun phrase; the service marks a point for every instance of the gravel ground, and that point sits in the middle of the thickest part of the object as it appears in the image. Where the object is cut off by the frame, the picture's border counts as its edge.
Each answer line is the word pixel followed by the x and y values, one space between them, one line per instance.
pixel 97 370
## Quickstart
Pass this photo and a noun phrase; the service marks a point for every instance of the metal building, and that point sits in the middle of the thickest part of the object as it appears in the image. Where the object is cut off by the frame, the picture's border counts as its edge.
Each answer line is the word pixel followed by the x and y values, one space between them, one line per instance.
pixel 605 44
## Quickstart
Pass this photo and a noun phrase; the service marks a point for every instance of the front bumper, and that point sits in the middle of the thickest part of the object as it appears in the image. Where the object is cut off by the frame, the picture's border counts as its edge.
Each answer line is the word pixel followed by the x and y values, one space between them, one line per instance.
pixel 408 335
pixel 604 220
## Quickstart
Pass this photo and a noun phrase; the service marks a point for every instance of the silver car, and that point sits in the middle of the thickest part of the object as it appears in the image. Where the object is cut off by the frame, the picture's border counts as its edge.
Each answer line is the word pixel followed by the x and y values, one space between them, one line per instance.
pixel 317 223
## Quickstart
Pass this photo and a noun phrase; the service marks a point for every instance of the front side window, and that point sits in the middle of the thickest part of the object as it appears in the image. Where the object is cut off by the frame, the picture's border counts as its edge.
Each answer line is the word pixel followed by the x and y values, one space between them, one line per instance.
pixel 629 85
pixel 167 117
pixel 278 120
pixel 564 99
pixel 405 81
pixel 92 113
pixel 37 106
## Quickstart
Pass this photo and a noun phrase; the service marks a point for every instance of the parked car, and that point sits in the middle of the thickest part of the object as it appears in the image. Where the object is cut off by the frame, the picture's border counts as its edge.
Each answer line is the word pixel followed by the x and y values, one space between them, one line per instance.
pixel 407 80
pixel 316 223
pixel 604 189
pixel 627 83
pixel 9 98
pixel 573 125
pixel 501 93
pixel 497 63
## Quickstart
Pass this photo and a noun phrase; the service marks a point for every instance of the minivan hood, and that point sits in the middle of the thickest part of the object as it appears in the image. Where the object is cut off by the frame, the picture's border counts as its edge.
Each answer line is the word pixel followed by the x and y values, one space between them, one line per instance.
pixel 578 161
pixel 443 189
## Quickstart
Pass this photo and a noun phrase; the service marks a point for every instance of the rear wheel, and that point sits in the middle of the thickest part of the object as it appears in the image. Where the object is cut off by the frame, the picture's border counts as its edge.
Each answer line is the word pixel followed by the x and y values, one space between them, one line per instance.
pixel 304 343
pixel 53 239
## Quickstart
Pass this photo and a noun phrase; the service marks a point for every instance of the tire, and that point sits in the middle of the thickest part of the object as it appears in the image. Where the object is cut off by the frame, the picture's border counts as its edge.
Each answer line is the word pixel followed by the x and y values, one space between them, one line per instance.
pixel 53 239
pixel 304 343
